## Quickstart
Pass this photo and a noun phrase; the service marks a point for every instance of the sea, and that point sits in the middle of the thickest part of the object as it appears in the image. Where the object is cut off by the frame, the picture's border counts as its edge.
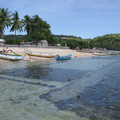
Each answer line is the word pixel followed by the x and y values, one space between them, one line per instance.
pixel 78 89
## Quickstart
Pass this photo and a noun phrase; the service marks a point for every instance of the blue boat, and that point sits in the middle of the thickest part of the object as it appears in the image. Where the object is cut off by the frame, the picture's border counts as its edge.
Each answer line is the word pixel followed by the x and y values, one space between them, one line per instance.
pixel 67 57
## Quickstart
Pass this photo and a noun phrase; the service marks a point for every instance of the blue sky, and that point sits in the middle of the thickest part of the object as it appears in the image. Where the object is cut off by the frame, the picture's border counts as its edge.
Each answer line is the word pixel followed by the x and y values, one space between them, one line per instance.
pixel 82 18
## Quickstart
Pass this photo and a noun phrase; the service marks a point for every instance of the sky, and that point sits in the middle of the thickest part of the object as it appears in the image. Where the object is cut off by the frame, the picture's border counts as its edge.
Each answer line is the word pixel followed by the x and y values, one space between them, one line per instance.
pixel 81 18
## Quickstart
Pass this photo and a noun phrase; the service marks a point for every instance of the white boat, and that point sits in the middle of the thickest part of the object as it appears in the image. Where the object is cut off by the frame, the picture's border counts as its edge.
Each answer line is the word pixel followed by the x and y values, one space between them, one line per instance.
pixel 99 54
pixel 103 53
pixel 37 54
pixel 11 57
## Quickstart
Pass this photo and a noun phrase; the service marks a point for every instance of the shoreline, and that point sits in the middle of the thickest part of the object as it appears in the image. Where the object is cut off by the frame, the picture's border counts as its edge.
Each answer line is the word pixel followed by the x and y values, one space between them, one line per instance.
pixel 62 52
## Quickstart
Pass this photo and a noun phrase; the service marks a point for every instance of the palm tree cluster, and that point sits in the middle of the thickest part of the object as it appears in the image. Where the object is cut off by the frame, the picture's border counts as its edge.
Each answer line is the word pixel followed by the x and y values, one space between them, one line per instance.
pixel 34 26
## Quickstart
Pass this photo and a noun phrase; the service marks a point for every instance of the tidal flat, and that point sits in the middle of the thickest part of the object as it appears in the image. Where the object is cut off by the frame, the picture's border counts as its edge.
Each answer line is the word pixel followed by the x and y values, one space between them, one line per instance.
pixel 79 89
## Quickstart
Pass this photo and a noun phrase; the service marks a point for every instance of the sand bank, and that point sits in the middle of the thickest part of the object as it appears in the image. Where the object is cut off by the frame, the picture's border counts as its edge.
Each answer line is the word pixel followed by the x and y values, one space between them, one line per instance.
pixel 20 50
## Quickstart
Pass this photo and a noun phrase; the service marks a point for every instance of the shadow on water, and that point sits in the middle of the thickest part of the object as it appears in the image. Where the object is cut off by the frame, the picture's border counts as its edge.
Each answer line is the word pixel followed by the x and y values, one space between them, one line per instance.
pixel 44 71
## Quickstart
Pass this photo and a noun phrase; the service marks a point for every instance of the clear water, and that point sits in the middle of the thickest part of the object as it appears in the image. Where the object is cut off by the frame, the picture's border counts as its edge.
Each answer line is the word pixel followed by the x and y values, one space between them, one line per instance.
pixel 78 89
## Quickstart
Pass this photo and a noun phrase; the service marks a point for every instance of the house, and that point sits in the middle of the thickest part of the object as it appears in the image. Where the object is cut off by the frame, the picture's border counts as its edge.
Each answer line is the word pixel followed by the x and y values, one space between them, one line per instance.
pixel 2 42
pixel 43 43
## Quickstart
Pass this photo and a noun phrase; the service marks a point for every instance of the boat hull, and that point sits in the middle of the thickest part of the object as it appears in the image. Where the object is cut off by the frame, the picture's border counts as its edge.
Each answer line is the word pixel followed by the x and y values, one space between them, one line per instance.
pixel 100 54
pixel 67 57
pixel 11 57
pixel 47 55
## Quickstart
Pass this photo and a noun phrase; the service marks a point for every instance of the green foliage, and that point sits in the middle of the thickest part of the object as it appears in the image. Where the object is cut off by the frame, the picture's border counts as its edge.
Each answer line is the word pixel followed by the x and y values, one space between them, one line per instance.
pixel 15 39
pixel 72 43
pixel 5 20
pixel 27 23
pixel 36 28
pixel 111 41
pixel 16 23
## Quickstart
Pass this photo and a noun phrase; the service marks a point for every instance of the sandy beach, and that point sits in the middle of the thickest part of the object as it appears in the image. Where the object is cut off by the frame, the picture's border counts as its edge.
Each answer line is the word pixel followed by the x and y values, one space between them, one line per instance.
pixel 20 50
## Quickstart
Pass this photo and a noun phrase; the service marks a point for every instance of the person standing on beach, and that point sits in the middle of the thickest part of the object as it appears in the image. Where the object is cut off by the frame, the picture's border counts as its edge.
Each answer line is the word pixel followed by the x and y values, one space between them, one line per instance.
pixel 22 42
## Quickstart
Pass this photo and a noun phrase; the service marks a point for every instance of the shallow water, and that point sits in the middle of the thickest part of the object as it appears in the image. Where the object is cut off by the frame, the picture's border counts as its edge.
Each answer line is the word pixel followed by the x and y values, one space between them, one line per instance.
pixel 49 90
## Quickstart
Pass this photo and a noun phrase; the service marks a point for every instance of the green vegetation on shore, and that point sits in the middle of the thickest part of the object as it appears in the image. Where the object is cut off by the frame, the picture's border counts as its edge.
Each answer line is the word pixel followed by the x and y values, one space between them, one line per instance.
pixel 37 29
pixel 109 41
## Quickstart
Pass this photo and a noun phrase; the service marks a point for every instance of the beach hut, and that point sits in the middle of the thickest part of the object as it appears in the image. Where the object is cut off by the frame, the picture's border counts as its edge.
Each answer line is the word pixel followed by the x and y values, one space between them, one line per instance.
pixel 2 42
pixel 43 43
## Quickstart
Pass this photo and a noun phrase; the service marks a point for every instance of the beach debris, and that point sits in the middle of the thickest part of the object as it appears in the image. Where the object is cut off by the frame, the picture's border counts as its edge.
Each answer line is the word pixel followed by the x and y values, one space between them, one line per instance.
pixel 78 96
pixel 69 79
pixel 34 104
pixel 75 56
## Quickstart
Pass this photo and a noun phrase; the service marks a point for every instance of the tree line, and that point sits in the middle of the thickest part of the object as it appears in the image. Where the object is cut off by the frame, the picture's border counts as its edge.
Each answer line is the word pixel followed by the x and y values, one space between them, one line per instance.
pixel 35 28
pixel 109 41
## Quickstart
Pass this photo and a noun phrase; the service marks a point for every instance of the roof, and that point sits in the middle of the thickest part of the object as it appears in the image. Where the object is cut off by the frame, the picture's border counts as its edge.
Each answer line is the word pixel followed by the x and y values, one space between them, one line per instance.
pixel 1 40
pixel 43 40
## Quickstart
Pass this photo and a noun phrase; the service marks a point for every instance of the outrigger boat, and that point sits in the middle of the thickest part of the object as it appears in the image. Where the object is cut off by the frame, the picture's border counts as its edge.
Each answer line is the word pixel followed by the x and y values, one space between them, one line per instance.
pixel 67 57
pixel 14 57
pixel 37 54
pixel 99 54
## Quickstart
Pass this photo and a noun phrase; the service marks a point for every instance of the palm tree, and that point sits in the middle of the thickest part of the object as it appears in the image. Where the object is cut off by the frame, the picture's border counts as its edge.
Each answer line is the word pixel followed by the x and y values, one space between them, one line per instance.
pixel 40 26
pixel 27 23
pixel 16 24
pixel 36 18
pixel 36 28
pixel 35 22
pixel 5 20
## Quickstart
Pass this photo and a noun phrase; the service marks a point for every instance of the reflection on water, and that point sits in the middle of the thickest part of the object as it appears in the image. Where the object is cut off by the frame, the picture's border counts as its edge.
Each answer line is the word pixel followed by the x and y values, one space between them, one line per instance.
pixel 46 70
pixel 48 90
pixel 26 69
